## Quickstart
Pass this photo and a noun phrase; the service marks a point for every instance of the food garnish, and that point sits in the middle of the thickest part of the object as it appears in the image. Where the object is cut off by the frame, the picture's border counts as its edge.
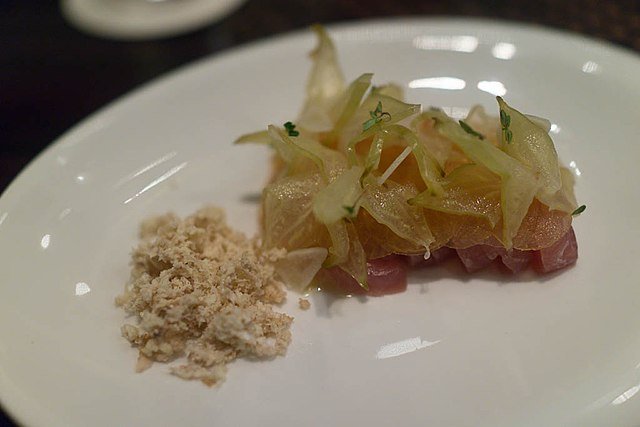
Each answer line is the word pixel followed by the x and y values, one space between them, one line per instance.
pixel 371 179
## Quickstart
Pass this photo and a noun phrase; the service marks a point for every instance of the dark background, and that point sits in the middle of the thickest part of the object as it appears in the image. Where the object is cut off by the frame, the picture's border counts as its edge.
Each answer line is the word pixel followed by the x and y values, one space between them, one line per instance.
pixel 52 76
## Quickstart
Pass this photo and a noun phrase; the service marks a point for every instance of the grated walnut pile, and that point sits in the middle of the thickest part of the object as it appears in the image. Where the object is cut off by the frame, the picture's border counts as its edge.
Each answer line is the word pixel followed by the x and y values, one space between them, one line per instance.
pixel 202 290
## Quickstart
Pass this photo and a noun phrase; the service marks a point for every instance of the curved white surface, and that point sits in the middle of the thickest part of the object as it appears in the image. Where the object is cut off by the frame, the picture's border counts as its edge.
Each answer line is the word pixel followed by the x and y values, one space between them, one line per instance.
pixel 453 350
pixel 144 19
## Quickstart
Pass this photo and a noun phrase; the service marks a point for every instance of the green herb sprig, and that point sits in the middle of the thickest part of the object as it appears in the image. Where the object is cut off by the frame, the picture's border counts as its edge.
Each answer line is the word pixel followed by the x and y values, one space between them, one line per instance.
pixel 291 129
pixel 351 210
pixel 579 210
pixel 468 129
pixel 377 116
pixel 505 122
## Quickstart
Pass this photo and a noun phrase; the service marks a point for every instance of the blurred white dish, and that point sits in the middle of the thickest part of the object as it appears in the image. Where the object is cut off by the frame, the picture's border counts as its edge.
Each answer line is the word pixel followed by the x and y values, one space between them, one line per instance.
pixel 144 19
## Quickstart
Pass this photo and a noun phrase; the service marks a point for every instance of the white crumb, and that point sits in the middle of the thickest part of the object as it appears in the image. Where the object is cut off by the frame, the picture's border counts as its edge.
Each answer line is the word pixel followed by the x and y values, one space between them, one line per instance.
pixel 201 290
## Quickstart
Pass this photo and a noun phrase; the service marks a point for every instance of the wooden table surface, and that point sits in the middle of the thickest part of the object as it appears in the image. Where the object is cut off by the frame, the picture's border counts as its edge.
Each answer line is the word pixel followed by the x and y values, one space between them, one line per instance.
pixel 52 76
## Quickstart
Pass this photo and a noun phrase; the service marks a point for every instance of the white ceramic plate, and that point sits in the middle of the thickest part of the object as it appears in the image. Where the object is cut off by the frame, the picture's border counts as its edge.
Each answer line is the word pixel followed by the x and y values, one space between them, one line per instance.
pixel 451 351
pixel 141 20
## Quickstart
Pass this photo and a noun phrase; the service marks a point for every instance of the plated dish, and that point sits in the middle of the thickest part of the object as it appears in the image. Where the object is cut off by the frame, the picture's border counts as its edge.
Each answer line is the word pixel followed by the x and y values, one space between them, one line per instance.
pixel 363 178
pixel 362 187
pixel 449 351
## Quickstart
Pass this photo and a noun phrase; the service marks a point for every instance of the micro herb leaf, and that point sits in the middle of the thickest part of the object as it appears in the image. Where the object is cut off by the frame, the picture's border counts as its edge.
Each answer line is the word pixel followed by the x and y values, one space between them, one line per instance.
pixel 350 210
pixel 579 210
pixel 378 109
pixel 505 119
pixel 291 129
pixel 509 135
pixel 505 122
pixel 468 129
pixel 368 124
pixel 377 116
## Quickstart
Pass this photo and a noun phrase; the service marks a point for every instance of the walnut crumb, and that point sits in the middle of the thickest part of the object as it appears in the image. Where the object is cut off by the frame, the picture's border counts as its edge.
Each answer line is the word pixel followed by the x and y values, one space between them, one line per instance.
pixel 304 304
pixel 203 292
